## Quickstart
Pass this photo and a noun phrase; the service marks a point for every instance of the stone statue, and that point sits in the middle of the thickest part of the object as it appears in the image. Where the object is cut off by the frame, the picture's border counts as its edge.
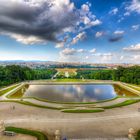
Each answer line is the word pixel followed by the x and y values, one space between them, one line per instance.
pixel 131 134
pixel 2 126
pixel 57 135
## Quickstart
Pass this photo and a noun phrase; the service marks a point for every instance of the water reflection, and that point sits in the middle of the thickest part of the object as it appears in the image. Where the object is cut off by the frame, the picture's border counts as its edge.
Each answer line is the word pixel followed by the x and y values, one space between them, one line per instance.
pixel 71 93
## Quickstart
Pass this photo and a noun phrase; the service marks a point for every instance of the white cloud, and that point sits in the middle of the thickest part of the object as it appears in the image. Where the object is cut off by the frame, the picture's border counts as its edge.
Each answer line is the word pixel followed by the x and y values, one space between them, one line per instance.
pixel 99 34
pixel 86 20
pixel 70 55
pixel 114 11
pixel 80 36
pixel 127 14
pixel 121 19
pixel 68 51
pixel 92 50
pixel 87 17
pixel 133 48
pixel 85 7
pixel 136 58
pixel 134 6
pixel 103 57
pixel 27 40
pixel 119 32
pixel 81 50
pixel 87 57
pixel 95 23
pixel 136 27
pixel 102 54
pixel 122 57
pixel 60 45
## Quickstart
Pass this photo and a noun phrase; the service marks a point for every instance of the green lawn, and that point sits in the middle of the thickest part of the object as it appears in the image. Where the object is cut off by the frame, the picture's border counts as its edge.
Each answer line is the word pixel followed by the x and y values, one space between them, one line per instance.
pixel 71 103
pixel 2 92
pixel 138 135
pixel 82 110
pixel 39 135
pixel 68 80
pixel 136 87
pixel 125 103
pixel 32 104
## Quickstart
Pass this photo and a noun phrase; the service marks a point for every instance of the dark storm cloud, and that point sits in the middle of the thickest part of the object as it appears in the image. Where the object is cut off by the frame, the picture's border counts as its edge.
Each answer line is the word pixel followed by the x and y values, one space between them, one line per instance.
pixel 115 39
pixel 31 20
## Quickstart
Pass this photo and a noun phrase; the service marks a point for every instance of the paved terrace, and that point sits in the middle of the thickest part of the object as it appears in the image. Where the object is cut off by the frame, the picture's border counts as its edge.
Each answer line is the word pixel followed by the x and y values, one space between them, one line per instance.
pixel 113 123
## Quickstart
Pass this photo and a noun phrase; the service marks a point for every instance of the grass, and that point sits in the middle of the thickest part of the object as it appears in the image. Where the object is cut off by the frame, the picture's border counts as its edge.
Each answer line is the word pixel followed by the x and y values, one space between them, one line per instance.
pixel 18 93
pixel 31 104
pixel 138 135
pixel 68 80
pixel 67 110
pixel 82 110
pixel 2 92
pixel 39 135
pixel 136 87
pixel 71 103
pixel 125 103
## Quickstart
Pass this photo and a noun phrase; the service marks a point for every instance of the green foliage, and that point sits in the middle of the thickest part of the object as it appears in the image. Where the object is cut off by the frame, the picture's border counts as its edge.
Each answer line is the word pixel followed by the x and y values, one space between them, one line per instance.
pixel 7 89
pixel 128 75
pixel 95 74
pixel 37 134
pixel 125 103
pixel 13 73
pixel 82 110
pixel 43 73
pixel 138 135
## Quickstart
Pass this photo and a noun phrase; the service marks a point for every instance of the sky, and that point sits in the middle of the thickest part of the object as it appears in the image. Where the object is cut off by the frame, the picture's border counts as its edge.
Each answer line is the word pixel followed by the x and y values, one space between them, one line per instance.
pixel 92 31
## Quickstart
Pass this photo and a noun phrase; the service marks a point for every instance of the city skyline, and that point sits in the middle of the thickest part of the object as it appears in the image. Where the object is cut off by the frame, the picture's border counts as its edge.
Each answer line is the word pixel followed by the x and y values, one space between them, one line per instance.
pixel 97 31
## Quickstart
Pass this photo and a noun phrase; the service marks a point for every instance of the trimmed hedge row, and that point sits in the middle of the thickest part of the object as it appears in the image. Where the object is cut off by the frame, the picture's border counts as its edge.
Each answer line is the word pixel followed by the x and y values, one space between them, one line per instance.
pixel 37 134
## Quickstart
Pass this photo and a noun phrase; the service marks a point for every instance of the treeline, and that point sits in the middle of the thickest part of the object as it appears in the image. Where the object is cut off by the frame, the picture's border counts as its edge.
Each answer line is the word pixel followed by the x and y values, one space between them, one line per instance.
pixel 14 73
pixel 95 74
pixel 128 75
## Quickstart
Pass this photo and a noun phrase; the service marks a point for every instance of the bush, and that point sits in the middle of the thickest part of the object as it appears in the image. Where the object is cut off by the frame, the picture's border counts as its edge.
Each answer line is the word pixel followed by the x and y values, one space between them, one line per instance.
pixel 37 134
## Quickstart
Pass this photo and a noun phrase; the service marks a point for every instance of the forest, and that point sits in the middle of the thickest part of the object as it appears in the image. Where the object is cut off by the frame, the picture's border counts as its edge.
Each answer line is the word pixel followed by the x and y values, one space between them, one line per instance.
pixel 14 73
pixel 128 75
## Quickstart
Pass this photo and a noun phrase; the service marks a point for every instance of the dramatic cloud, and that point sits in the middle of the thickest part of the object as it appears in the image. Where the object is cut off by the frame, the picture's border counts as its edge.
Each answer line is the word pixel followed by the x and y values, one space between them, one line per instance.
pixel 119 32
pixel 36 19
pixel 39 21
pixel 114 11
pixel 27 39
pixel 99 34
pixel 134 6
pixel 133 48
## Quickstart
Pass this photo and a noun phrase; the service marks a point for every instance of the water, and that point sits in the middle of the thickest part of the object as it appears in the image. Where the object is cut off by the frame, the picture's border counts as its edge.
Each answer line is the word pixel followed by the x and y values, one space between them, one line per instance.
pixel 71 93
